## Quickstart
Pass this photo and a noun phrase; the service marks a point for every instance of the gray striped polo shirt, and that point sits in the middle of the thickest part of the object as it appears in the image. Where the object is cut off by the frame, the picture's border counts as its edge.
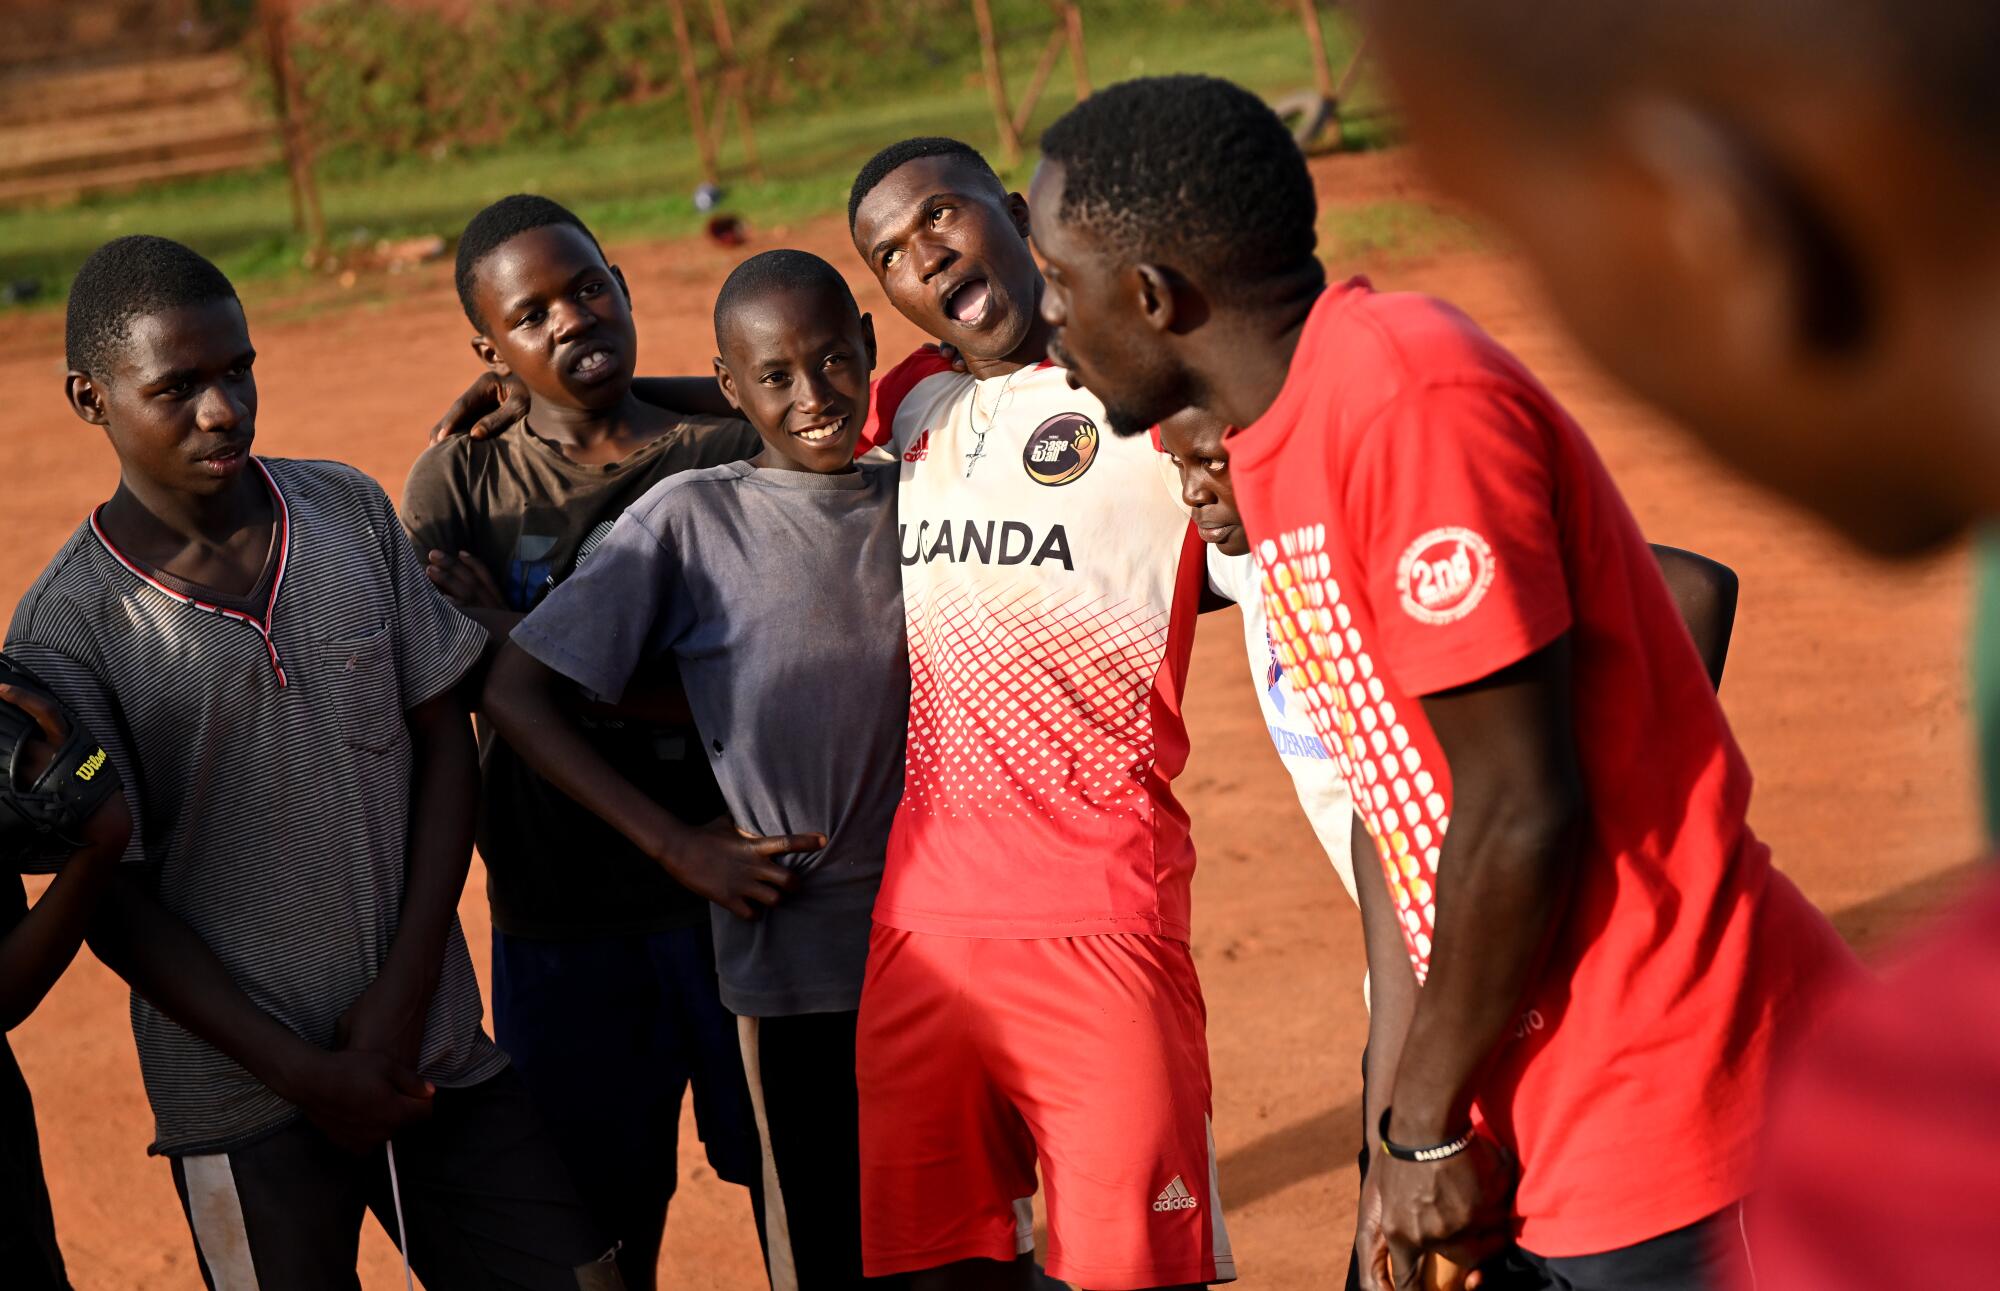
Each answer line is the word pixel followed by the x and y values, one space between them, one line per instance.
pixel 268 762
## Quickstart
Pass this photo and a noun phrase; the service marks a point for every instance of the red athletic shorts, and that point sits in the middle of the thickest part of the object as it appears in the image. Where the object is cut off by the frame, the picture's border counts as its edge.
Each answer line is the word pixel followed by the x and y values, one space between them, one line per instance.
pixel 978 1058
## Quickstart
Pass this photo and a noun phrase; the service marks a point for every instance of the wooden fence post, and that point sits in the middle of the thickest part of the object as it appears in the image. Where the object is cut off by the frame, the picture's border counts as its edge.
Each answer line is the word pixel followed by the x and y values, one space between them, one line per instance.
pixel 1322 73
pixel 307 217
pixel 691 86
pixel 996 84
pixel 734 84
pixel 1050 53
pixel 1353 72
pixel 1072 15
pixel 1068 31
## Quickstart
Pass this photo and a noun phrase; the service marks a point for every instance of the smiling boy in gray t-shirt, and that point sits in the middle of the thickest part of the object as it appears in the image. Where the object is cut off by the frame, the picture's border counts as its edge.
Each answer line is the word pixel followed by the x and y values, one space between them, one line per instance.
pixel 776 585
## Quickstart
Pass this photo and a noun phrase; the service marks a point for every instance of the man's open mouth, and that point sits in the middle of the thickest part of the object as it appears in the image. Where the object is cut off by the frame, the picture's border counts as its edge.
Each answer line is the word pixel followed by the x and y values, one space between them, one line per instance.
pixel 968 301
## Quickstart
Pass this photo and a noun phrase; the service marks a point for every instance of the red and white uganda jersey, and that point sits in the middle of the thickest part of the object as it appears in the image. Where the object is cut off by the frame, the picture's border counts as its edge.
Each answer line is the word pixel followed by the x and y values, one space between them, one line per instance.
pixel 1050 582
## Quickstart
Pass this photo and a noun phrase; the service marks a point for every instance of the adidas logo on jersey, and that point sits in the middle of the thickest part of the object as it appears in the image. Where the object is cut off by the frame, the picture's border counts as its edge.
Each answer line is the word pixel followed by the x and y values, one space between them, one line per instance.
pixel 921 450
pixel 1175 1196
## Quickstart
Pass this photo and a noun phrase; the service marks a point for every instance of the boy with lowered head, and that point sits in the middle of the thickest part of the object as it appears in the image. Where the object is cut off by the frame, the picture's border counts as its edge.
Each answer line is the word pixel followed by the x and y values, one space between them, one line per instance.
pixel 262 658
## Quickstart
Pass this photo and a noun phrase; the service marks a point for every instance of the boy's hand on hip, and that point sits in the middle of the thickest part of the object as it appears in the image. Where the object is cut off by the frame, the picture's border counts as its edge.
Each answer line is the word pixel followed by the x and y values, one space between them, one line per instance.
pixel 734 869
pixel 360 1098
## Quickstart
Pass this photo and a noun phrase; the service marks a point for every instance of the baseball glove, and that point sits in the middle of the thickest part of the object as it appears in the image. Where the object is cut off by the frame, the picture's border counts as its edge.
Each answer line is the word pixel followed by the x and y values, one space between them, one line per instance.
pixel 44 819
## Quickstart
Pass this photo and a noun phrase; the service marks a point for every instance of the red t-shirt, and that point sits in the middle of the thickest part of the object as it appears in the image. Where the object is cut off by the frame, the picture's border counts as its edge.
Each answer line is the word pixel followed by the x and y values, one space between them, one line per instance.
pixel 1425 515
pixel 1884 1155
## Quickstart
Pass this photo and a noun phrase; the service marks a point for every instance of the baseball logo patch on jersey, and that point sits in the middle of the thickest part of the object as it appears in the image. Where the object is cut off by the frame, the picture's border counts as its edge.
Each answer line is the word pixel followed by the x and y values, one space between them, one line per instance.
pixel 1444 575
pixel 1061 449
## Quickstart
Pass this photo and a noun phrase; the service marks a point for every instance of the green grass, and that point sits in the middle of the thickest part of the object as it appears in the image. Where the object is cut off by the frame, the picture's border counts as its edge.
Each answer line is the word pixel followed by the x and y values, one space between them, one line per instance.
pixel 627 173
pixel 1392 231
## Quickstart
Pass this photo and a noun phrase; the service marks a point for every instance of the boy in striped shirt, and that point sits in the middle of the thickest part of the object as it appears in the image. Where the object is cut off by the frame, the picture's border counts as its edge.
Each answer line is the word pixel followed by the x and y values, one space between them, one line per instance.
pixel 260 652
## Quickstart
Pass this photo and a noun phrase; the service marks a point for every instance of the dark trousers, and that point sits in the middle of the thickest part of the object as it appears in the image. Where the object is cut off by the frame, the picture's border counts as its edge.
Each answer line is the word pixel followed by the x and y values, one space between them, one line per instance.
pixel 29 1259
pixel 808 1113
pixel 608 1034
pixel 487 1200
pixel 1704 1256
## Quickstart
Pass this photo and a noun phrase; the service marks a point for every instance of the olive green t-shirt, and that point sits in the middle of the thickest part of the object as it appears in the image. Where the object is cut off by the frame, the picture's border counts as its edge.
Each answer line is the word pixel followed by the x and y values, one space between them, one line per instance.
pixel 531 516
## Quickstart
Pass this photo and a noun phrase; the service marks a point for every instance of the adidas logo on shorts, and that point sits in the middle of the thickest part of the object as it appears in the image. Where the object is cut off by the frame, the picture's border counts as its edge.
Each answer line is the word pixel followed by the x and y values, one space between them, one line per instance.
pixel 1175 1196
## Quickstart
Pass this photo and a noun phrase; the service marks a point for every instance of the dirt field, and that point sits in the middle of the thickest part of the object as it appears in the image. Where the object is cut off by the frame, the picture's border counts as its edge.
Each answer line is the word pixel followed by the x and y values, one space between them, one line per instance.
pixel 1844 686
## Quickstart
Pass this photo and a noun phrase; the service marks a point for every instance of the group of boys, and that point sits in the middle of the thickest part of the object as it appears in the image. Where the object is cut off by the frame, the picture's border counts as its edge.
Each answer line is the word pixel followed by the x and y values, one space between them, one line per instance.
pixel 935 695
pixel 632 586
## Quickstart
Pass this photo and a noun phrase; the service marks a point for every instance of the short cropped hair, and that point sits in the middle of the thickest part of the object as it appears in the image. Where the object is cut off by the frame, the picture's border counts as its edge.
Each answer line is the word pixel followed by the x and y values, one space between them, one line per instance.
pixel 1188 168
pixel 897 155
pixel 770 271
pixel 128 278
pixel 499 223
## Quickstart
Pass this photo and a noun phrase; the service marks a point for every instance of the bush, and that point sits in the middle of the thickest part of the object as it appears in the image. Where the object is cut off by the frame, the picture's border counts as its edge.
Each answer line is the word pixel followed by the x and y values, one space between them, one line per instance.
pixel 387 80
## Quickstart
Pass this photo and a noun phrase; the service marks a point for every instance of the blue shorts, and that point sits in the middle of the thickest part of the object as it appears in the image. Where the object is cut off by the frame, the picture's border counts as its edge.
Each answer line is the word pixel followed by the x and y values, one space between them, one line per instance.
pixel 607 1033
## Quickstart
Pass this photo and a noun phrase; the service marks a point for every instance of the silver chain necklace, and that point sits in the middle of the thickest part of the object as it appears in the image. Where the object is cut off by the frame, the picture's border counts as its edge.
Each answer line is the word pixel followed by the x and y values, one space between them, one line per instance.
pixel 978 431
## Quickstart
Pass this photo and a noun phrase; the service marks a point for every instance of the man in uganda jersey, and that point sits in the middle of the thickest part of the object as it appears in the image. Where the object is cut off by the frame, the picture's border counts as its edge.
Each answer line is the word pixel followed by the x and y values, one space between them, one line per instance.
pixel 1030 997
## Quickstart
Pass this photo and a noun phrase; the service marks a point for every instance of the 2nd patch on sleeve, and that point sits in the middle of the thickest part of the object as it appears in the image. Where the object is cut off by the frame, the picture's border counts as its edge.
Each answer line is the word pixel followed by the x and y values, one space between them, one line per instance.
pixel 1444 574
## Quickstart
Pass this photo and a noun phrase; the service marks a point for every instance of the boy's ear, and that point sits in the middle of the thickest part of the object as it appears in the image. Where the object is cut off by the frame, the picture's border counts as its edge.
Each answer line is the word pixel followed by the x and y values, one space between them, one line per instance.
pixel 1017 210
pixel 868 337
pixel 1737 224
pixel 728 384
pixel 490 355
pixel 86 399
pixel 623 286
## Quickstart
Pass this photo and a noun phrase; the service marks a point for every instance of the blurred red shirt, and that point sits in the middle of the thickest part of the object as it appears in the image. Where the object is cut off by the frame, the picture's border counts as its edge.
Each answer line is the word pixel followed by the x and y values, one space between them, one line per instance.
pixel 1883 1166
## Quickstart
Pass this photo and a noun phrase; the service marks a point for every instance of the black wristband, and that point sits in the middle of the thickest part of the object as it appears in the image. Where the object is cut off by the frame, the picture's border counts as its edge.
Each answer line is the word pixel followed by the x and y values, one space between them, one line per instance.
pixel 1435 1152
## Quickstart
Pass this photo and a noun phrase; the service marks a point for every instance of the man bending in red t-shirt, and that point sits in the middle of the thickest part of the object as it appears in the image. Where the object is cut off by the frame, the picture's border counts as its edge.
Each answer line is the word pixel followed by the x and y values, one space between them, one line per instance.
pixel 1606 958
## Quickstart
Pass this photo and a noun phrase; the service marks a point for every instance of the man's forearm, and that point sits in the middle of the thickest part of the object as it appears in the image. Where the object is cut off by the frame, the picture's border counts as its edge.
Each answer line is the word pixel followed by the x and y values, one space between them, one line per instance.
pixel 1494 914
pixel 1502 879
pixel 1392 986
pixel 162 959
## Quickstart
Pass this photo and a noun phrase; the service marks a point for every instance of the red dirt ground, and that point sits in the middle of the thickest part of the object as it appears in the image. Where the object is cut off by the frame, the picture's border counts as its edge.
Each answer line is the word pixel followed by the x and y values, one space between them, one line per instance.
pixel 1844 686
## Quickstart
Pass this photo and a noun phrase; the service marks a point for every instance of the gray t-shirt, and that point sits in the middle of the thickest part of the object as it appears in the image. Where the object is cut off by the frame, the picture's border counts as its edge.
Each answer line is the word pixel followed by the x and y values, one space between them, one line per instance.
pixel 267 760
pixel 780 594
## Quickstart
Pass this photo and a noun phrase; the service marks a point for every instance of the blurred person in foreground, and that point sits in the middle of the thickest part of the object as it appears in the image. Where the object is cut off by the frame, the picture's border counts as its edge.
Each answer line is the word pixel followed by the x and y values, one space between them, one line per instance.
pixel 1777 222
